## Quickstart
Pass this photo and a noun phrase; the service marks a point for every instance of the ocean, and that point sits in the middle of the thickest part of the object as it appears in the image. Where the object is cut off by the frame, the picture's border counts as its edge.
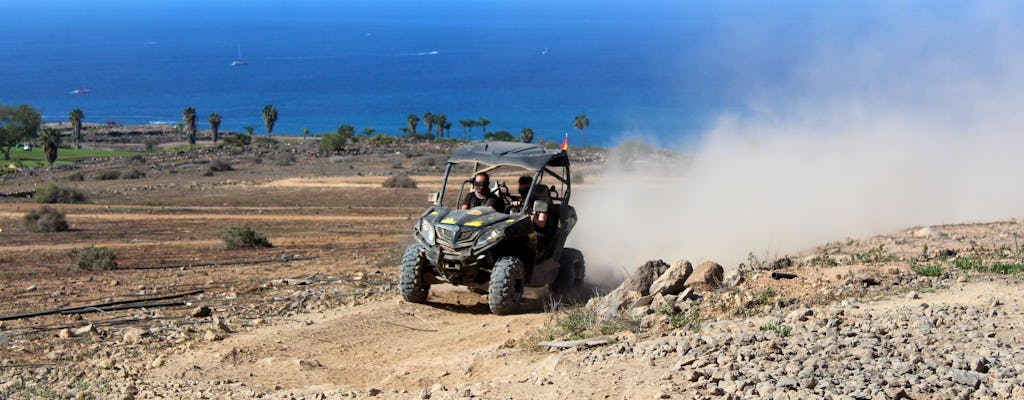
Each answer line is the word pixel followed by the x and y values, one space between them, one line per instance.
pixel 660 70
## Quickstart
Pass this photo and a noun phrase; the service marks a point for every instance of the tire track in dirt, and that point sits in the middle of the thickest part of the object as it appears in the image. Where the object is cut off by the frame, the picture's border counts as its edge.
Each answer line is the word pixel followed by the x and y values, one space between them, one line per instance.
pixel 384 344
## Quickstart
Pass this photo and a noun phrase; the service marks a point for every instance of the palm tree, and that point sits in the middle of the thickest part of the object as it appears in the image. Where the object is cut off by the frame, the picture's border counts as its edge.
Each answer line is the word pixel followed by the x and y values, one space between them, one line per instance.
pixel 368 132
pixel 189 117
pixel 440 120
pixel 249 129
pixel 412 119
pixel 526 135
pixel 428 118
pixel 484 122
pixel 447 127
pixel 581 122
pixel 467 124
pixel 76 116
pixel 269 117
pixel 305 134
pixel 214 119
pixel 347 131
pixel 50 139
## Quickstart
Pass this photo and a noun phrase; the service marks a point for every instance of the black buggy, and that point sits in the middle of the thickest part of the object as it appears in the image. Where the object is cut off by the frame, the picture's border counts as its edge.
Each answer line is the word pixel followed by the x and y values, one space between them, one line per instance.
pixel 497 252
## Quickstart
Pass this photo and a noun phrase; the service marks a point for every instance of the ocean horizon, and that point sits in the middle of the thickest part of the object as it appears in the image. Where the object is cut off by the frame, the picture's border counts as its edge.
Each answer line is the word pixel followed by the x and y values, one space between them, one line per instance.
pixel 659 70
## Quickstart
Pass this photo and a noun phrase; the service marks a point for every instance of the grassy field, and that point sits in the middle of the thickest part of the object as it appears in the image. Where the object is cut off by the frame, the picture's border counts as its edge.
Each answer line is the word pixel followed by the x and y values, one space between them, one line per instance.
pixel 36 158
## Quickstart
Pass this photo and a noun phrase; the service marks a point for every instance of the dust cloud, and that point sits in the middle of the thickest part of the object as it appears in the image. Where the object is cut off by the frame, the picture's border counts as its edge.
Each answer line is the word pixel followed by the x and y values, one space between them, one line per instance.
pixel 910 125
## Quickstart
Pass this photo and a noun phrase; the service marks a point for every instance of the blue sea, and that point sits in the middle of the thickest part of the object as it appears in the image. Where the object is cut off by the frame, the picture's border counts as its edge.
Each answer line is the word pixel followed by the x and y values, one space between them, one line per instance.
pixel 662 70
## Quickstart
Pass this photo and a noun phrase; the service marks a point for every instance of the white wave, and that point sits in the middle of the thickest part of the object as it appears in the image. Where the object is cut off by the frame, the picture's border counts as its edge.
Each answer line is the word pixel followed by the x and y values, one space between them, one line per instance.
pixel 161 122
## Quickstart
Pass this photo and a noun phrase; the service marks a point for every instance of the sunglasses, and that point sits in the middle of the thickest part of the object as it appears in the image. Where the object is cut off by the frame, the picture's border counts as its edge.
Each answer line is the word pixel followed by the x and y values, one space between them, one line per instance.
pixel 481 184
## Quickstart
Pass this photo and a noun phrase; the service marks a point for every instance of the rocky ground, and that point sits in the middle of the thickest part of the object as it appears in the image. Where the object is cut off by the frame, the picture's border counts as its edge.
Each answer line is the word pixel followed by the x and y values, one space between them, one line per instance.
pixel 922 313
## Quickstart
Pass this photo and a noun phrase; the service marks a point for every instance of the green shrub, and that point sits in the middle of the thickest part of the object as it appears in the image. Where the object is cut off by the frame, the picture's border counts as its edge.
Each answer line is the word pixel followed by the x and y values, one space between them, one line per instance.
pixel 927 270
pixel 108 175
pixel 45 219
pixel 689 319
pixel 244 237
pixel 399 181
pixel 92 258
pixel 782 330
pixel 331 143
pixel 381 139
pixel 236 140
pixel 53 194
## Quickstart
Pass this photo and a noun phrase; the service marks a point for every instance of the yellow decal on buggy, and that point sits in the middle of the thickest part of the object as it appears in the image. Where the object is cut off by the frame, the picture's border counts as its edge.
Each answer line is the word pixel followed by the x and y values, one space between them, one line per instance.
pixel 473 212
pixel 448 220
pixel 476 223
pixel 510 220
pixel 433 213
pixel 532 235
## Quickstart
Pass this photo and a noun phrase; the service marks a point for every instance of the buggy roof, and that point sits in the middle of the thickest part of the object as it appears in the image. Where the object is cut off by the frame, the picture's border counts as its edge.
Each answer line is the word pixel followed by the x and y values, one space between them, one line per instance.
pixel 526 155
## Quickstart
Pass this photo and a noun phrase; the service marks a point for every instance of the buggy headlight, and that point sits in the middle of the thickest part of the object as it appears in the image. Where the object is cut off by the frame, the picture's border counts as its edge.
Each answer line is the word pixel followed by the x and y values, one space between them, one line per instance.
pixel 489 236
pixel 427 231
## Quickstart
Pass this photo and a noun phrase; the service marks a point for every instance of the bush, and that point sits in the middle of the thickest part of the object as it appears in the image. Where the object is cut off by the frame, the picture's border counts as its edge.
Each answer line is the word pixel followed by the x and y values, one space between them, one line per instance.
pixel 927 270
pixel 75 177
pixel 53 194
pixel 236 139
pixel 399 181
pixel 92 258
pixel 133 174
pixel 108 175
pixel 45 219
pixel 244 237
pixel 220 165
pixel 266 141
pixel 381 139
pixel 331 143
pixel 151 144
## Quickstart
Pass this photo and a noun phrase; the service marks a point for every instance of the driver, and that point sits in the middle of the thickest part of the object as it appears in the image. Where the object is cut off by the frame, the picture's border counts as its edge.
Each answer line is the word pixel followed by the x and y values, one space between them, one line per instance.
pixel 482 195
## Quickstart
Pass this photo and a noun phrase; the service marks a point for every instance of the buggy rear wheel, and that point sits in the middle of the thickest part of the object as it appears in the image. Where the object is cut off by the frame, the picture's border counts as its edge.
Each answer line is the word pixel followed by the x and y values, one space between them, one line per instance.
pixel 571 272
pixel 412 283
pixel 506 288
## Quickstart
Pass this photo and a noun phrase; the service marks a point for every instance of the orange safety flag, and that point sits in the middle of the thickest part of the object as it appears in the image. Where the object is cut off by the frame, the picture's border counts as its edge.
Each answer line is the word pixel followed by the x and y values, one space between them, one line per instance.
pixel 565 142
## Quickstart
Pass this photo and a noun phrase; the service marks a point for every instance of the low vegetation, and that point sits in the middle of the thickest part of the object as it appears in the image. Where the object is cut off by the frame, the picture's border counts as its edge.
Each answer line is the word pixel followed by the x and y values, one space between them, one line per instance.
pixel 92 258
pixel 45 219
pixel 54 194
pixel 244 237
pixel 399 181
pixel 220 165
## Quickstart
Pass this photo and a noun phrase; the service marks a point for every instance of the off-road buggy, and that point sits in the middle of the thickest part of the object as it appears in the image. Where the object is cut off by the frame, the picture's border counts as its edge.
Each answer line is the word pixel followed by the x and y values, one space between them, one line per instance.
pixel 497 252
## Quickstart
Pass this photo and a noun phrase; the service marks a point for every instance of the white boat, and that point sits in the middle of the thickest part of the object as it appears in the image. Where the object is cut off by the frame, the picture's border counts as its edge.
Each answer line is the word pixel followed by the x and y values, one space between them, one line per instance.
pixel 239 61
pixel 80 91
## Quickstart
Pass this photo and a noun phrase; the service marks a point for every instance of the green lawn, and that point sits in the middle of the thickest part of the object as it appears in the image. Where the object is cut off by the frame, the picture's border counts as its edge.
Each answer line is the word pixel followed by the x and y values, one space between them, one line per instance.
pixel 36 158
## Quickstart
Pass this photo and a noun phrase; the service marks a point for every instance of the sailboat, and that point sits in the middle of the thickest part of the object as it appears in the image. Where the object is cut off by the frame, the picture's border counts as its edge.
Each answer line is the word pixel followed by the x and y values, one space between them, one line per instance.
pixel 239 61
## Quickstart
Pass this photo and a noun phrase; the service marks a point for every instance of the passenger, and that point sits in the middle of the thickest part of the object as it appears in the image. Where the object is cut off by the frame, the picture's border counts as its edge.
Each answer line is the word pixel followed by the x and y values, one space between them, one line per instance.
pixel 540 219
pixel 482 195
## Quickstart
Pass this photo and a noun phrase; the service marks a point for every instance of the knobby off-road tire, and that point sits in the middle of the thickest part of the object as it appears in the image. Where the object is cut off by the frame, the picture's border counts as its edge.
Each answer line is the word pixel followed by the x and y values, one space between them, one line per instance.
pixel 506 290
pixel 414 286
pixel 571 272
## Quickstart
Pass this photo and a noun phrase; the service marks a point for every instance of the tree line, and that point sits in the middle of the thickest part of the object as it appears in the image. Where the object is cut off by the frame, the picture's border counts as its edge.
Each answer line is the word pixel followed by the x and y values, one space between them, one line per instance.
pixel 23 123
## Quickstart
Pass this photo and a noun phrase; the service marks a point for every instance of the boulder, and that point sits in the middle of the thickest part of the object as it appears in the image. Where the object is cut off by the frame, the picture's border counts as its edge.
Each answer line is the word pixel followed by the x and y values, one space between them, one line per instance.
pixel 708 275
pixel 673 280
pixel 643 277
